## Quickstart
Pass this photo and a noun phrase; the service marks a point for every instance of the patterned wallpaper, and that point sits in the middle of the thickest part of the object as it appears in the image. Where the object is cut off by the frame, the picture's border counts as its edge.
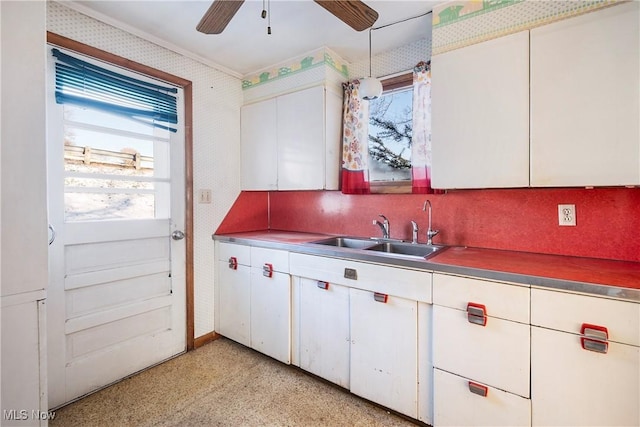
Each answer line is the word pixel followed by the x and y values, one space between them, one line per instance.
pixel 461 23
pixel 321 66
pixel 217 98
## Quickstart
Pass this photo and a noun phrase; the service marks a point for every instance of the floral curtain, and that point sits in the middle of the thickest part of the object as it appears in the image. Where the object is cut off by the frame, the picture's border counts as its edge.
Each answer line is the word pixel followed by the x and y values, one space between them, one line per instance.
pixel 421 141
pixel 355 141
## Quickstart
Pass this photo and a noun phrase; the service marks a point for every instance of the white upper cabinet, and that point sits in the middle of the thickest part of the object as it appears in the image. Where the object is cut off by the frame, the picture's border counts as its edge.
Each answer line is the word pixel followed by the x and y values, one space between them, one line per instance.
pixel 585 94
pixel 480 115
pixel 259 146
pixel 292 142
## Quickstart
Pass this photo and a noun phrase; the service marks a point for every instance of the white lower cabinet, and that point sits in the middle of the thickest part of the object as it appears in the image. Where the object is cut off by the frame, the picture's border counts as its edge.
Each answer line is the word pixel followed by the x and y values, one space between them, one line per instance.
pixel 481 352
pixel 459 401
pixel 324 330
pixel 585 360
pixel 369 330
pixel 234 293
pixel 23 395
pixel 270 314
pixel 384 350
pixel 254 298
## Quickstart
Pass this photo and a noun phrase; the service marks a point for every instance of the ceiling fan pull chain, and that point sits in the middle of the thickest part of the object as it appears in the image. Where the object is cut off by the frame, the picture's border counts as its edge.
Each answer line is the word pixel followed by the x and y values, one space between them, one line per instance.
pixel 264 10
pixel 269 17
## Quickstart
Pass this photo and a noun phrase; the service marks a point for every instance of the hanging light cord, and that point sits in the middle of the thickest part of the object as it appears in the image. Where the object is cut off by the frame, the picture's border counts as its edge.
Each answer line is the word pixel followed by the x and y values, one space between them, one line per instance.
pixel 401 21
pixel 369 52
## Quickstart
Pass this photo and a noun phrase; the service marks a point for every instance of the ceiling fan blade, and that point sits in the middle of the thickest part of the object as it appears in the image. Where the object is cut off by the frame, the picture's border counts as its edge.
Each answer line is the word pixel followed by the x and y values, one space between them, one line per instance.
pixel 354 13
pixel 218 16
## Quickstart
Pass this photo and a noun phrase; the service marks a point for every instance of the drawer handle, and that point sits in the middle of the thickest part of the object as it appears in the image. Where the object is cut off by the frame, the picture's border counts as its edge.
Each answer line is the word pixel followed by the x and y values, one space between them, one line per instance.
pixel 479 389
pixel 233 263
pixel 380 297
pixel 322 285
pixel 477 314
pixel 594 338
pixel 267 270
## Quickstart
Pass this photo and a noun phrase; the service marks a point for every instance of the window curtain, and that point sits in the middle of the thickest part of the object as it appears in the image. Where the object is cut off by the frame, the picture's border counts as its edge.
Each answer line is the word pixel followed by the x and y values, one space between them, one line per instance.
pixel 87 85
pixel 421 141
pixel 355 141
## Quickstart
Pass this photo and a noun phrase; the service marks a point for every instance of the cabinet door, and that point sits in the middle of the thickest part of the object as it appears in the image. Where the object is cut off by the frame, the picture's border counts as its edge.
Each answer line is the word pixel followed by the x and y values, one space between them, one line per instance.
pixel 574 386
pixel 324 330
pixel 234 302
pixel 300 130
pixel 23 386
pixel 271 314
pixel 456 405
pixel 333 139
pixel 384 350
pixel 585 85
pixel 480 115
pixel 258 135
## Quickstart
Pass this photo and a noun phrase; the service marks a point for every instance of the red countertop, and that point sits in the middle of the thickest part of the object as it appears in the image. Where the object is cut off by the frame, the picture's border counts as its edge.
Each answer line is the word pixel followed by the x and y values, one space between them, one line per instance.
pixel 586 270
pixel 623 274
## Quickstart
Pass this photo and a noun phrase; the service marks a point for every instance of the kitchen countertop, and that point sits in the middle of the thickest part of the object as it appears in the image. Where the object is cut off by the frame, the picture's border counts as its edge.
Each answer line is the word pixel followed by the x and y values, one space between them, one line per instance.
pixel 608 278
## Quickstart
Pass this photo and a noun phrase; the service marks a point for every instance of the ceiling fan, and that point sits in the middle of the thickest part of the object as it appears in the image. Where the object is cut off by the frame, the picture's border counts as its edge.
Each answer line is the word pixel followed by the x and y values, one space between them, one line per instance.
pixel 354 13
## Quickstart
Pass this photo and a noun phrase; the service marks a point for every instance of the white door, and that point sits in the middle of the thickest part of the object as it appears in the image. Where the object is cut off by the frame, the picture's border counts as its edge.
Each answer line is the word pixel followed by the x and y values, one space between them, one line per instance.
pixel 117 295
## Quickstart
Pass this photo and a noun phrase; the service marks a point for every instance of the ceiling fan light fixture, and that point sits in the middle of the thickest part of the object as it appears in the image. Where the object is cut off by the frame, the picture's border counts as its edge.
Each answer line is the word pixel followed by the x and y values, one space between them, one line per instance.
pixel 370 88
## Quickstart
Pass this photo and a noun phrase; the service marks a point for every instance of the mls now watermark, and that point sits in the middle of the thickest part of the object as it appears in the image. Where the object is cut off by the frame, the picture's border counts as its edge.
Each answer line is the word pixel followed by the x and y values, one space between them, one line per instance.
pixel 25 414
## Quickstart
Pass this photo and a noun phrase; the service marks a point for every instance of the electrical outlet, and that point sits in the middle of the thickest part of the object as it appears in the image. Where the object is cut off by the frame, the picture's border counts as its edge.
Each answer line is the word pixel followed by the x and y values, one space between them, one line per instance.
pixel 567 215
pixel 204 196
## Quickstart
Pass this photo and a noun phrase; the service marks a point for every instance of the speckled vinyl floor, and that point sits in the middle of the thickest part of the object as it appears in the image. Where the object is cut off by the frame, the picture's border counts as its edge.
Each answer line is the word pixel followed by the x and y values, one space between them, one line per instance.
pixel 223 384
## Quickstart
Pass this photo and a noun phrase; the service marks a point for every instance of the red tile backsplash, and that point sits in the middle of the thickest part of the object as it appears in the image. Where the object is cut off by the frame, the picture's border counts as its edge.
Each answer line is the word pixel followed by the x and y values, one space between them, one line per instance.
pixel 608 219
pixel 250 212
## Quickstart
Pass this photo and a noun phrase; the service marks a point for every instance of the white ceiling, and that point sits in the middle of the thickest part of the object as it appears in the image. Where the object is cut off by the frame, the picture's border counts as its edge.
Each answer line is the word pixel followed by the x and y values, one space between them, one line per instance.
pixel 298 27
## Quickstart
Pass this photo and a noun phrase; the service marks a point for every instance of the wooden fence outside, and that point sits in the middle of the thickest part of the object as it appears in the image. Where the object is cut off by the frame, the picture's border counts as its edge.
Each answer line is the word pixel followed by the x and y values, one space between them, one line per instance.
pixel 89 155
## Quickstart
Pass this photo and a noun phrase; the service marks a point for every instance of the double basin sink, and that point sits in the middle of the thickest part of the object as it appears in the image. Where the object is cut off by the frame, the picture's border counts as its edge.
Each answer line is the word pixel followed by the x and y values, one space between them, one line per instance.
pixel 397 248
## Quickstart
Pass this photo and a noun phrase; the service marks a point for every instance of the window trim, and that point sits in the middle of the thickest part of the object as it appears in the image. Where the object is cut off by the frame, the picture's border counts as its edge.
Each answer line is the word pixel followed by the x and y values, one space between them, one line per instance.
pixel 400 81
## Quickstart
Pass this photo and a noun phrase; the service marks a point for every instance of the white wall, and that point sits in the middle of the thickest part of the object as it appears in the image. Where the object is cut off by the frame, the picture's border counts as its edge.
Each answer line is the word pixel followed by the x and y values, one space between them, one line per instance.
pixel 217 98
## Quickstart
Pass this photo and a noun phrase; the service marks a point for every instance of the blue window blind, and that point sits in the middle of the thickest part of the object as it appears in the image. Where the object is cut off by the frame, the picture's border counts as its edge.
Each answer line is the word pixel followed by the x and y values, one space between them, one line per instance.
pixel 87 85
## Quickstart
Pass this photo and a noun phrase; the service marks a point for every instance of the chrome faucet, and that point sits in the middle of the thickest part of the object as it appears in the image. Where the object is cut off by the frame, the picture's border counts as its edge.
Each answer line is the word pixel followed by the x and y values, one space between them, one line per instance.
pixel 430 233
pixel 414 232
pixel 384 226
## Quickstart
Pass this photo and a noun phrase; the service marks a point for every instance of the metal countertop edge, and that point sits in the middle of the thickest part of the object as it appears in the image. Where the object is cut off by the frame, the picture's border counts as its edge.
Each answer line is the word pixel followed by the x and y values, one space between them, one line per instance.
pixel 602 290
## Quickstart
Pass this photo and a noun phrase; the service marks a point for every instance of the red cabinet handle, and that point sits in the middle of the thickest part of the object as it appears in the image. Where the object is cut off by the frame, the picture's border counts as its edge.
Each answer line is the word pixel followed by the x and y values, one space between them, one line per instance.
pixel 233 263
pixel 322 285
pixel 477 314
pixel 594 338
pixel 267 270
pixel 479 389
pixel 380 297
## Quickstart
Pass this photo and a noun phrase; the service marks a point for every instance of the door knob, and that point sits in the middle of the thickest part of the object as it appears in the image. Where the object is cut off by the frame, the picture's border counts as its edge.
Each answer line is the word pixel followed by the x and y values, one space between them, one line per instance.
pixel 177 235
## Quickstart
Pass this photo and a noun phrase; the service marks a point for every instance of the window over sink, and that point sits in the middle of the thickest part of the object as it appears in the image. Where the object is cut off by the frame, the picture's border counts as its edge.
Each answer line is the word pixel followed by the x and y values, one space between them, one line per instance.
pixel 390 136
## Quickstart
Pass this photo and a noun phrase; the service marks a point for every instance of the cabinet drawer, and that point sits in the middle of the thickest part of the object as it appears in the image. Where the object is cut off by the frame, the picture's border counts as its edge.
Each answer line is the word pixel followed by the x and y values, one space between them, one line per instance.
pixel 456 405
pixel 501 300
pixel 241 253
pixel 568 312
pixel 410 284
pixel 497 354
pixel 278 259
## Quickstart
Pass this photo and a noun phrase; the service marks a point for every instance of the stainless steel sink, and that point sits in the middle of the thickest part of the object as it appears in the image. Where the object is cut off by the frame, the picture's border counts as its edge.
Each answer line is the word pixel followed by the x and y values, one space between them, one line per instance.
pixel 406 249
pixel 347 242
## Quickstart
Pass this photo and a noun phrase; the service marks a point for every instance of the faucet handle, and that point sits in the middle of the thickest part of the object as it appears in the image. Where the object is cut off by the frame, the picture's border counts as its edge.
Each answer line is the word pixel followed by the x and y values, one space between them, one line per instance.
pixel 414 232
